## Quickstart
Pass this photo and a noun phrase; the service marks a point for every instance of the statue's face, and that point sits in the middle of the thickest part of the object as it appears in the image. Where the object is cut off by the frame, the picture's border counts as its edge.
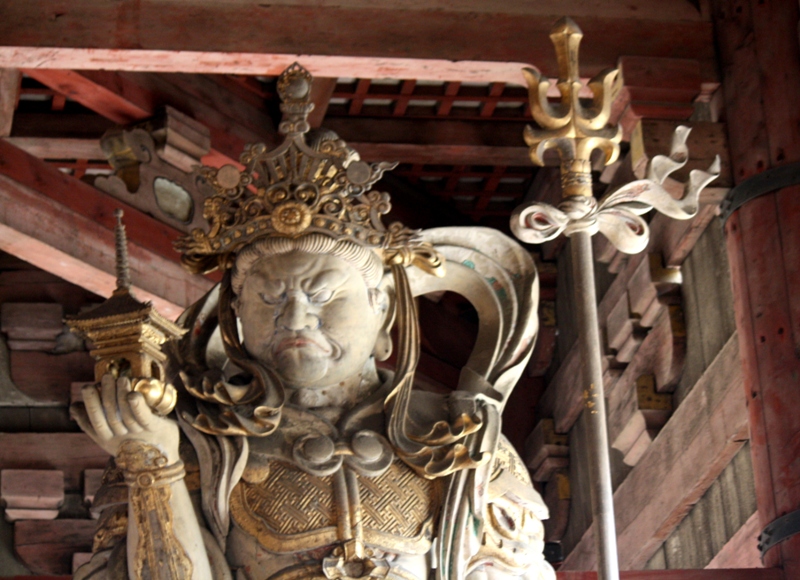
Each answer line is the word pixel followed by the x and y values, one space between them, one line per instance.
pixel 310 317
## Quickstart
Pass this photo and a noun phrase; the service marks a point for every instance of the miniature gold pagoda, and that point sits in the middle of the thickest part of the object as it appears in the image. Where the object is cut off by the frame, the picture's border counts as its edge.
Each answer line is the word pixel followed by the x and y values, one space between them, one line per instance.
pixel 126 336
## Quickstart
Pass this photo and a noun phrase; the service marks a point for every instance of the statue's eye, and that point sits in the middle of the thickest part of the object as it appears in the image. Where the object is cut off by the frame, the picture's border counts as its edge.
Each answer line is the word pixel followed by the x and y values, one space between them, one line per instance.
pixel 270 299
pixel 321 296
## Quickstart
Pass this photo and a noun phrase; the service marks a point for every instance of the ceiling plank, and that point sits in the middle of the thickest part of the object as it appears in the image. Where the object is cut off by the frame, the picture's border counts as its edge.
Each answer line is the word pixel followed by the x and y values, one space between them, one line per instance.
pixel 445 132
pixel 457 154
pixel 41 212
pixel 370 41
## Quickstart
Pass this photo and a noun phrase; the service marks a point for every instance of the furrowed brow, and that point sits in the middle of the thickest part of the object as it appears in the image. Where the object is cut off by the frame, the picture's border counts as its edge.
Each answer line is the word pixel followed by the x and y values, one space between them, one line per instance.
pixel 330 279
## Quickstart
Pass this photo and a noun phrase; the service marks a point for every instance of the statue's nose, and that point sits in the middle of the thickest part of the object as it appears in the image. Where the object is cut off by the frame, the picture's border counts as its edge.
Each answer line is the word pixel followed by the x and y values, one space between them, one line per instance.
pixel 296 314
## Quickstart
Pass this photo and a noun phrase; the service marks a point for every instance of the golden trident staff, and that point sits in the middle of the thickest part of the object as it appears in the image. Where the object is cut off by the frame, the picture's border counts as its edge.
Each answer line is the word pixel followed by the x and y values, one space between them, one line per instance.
pixel 575 131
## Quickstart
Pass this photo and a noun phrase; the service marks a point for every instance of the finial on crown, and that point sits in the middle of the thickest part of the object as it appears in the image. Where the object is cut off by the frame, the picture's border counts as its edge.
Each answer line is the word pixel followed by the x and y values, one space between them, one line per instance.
pixel 298 189
pixel 294 89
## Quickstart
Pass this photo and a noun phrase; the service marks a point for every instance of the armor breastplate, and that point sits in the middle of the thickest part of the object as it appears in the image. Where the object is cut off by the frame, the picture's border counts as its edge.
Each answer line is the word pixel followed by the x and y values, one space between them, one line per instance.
pixel 293 511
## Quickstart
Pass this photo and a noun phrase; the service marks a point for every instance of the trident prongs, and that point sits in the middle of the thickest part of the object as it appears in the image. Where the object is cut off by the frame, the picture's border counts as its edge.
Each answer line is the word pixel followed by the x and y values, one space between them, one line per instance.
pixel 568 127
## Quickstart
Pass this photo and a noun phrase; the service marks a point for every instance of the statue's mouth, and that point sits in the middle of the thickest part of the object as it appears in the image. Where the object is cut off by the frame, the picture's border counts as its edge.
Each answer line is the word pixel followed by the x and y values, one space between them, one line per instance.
pixel 300 341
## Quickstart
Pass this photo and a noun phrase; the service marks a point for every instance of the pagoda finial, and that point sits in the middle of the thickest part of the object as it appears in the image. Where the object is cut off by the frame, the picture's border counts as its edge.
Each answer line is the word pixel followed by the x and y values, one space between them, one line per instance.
pixel 123 271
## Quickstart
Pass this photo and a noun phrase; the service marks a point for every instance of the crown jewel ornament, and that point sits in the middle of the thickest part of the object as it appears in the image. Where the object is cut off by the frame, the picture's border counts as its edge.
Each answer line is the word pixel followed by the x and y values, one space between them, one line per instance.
pixel 298 189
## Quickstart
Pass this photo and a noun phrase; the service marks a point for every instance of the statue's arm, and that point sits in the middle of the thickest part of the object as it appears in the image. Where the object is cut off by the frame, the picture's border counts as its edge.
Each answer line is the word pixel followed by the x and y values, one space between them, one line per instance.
pixel 164 538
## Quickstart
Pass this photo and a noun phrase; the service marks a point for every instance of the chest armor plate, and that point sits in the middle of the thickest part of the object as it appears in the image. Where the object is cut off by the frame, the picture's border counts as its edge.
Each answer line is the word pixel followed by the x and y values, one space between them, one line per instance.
pixel 292 511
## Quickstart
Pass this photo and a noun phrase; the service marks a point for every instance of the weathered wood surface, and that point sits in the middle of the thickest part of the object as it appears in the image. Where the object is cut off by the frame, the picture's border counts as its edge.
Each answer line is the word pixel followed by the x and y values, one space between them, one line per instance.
pixel 741 551
pixel 40 211
pixel 104 92
pixel 321 90
pixel 557 498
pixel 446 154
pixel 675 239
pixel 708 305
pixel 706 141
pixel 46 547
pixel 68 452
pixel 38 286
pixel 234 122
pixel 544 442
pixel 705 432
pixel 32 488
pixel 29 325
pixel 453 153
pixel 60 147
pixel 760 58
pixel 47 377
pixel 716 523
pixel 763 248
pixel 562 400
pixel 396 41
pixel 124 98
pixel 679 82
pixel 9 93
pixel 364 134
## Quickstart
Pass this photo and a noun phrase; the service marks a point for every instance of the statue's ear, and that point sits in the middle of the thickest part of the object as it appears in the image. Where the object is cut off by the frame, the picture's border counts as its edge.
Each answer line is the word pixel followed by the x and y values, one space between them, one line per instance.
pixel 383 300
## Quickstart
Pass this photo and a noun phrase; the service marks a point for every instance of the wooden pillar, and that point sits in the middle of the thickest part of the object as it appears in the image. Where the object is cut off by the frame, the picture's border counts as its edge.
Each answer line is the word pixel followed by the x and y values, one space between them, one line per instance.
pixel 760 56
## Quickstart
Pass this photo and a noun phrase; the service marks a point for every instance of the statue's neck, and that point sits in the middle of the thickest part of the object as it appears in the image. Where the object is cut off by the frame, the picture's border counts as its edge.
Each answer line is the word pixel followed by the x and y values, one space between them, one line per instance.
pixel 333 400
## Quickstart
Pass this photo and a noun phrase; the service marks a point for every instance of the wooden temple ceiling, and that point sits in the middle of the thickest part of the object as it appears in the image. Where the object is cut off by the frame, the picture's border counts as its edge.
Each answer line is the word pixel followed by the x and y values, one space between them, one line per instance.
pixel 434 85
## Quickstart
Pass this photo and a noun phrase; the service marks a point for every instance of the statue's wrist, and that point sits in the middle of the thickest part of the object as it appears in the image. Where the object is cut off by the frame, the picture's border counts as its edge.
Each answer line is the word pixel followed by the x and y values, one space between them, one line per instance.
pixel 145 465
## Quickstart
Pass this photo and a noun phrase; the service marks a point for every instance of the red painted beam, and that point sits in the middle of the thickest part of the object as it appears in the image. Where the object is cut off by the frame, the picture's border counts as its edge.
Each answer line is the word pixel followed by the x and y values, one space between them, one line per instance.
pixel 103 92
pixel 464 43
pixel 65 226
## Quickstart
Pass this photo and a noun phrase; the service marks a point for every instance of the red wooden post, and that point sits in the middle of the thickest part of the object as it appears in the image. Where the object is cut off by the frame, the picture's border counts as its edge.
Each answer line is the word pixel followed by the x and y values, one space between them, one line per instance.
pixel 761 78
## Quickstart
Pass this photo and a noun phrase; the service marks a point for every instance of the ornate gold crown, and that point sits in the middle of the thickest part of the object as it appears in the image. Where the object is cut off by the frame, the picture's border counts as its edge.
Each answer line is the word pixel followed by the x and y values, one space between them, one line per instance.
pixel 297 189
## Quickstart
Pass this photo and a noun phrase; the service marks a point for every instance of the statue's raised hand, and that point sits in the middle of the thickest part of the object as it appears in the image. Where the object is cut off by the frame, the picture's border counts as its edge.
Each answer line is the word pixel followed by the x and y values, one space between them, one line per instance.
pixel 112 413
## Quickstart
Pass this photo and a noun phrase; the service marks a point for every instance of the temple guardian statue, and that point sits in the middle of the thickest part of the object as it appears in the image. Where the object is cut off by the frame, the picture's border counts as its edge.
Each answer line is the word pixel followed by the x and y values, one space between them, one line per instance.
pixel 266 443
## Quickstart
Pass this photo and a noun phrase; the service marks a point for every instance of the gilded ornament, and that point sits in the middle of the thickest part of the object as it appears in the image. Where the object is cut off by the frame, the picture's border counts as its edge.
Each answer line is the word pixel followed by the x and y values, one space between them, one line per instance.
pixel 291 218
pixel 127 336
pixel 159 554
pixel 299 188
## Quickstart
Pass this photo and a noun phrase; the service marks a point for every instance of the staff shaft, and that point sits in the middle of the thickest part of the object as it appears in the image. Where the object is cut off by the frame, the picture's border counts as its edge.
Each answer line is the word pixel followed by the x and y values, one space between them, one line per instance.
pixel 594 413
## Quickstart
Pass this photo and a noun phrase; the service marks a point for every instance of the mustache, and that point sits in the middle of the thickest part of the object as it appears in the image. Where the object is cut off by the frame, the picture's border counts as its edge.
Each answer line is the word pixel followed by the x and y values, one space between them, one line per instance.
pixel 286 340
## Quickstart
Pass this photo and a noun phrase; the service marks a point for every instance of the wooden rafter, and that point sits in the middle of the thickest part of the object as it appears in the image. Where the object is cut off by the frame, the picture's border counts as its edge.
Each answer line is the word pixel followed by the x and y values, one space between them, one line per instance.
pixel 41 212
pixel 481 44
pixel 124 98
